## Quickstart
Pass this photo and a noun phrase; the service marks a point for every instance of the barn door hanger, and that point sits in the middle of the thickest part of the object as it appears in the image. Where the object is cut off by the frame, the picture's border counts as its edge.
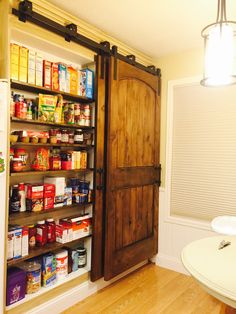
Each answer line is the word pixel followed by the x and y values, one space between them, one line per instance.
pixel 104 53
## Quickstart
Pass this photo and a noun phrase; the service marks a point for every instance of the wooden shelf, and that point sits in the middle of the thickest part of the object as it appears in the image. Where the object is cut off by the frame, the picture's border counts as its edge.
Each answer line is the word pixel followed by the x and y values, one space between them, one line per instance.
pixel 43 250
pixel 38 89
pixel 52 145
pixel 36 122
pixel 27 218
pixel 49 172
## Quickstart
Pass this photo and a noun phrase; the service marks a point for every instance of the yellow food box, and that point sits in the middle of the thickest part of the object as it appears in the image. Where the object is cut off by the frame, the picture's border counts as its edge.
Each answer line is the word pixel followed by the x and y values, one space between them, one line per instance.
pixel 31 67
pixel 23 65
pixel 73 80
pixel 15 51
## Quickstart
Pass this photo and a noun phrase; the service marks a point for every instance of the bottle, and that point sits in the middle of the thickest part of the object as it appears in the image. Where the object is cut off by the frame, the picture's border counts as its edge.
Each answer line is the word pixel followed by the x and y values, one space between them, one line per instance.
pixel 22 197
pixel 79 137
pixel 51 230
pixel 29 115
pixel 15 199
pixel 41 233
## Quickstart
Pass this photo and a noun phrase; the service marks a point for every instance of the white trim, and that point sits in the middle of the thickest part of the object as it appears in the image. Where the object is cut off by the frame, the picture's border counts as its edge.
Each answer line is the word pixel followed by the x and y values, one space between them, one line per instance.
pixel 170 262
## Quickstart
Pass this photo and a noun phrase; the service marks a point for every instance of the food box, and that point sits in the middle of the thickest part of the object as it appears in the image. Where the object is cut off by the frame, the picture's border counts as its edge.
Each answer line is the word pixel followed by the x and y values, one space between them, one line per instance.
pixel 31 67
pixel 47 74
pixel 47 107
pixel 62 71
pixel 23 65
pixel 58 182
pixel 15 53
pixel 34 191
pixel 73 80
pixel 86 83
pixel 48 203
pixel 10 243
pixel 39 69
pixel 55 77
pixel 67 80
pixel 48 270
pixel 34 204
pixel 25 242
pixel 61 234
pixel 16 285
pixel 49 190
pixel 68 196
pixel 73 260
pixel 17 242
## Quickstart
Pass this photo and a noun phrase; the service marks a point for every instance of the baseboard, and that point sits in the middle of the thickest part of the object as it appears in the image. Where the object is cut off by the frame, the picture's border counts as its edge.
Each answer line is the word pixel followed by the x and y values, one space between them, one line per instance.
pixel 77 294
pixel 171 263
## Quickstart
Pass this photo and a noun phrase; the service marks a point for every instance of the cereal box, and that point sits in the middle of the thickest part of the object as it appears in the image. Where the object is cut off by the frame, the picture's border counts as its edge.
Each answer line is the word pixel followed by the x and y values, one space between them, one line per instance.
pixel 39 69
pixel 73 80
pixel 48 270
pixel 15 53
pixel 23 65
pixel 62 71
pixel 47 74
pixel 55 77
pixel 31 67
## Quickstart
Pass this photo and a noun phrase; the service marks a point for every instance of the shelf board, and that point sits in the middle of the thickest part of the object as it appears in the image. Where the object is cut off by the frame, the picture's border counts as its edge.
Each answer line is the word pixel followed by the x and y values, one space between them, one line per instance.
pixel 38 89
pixel 37 251
pixel 49 172
pixel 52 145
pixel 63 125
pixel 27 218
pixel 31 300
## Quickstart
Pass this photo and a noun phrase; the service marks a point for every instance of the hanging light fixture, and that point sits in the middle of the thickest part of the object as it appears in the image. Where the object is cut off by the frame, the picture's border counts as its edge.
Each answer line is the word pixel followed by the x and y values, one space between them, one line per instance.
pixel 220 50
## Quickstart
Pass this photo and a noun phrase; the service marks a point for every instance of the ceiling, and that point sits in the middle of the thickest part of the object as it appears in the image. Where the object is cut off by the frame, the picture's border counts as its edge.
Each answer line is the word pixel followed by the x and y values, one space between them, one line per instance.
pixel 155 27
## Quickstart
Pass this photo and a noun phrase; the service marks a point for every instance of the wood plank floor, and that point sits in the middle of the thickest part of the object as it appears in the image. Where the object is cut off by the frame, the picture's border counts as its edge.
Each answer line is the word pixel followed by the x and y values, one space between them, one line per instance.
pixel 153 290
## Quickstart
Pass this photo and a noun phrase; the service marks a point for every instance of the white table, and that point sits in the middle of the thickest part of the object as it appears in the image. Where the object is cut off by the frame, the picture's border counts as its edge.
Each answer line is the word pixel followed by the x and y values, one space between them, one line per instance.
pixel 214 269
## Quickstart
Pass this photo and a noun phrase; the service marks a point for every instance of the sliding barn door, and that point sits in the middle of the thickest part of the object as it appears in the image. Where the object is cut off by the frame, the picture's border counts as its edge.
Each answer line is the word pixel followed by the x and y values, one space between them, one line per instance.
pixel 132 168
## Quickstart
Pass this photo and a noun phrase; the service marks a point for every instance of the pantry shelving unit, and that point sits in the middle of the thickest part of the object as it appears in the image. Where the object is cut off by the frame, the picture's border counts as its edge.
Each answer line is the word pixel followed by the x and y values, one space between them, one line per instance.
pixel 73 57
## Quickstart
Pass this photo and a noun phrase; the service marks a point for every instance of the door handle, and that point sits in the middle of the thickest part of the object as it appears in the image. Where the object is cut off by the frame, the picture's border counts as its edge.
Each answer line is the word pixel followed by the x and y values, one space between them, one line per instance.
pixel 100 185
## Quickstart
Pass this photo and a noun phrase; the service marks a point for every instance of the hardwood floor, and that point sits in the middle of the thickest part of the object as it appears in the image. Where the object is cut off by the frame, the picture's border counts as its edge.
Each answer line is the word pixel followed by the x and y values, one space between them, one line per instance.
pixel 151 290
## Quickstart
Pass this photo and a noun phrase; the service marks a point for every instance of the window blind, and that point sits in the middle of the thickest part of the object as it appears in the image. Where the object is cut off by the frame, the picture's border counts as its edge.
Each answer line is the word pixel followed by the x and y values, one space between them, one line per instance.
pixel 203 164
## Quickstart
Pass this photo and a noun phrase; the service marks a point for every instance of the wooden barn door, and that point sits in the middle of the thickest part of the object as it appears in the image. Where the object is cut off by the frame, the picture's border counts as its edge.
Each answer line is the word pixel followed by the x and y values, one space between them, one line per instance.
pixel 133 171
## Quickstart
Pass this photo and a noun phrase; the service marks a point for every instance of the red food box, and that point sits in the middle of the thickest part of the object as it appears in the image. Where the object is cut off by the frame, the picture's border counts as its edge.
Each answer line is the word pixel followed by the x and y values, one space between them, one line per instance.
pixel 48 203
pixel 55 77
pixel 49 190
pixel 34 191
pixel 47 74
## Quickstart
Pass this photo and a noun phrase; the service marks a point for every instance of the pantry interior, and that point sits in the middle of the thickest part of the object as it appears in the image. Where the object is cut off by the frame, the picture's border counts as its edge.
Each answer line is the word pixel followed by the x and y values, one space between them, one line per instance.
pixel 56 133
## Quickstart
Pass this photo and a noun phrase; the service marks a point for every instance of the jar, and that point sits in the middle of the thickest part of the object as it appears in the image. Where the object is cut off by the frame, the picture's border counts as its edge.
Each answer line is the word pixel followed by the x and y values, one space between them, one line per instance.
pixel 82 120
pixel 77 113
pixel 51 230
pixel 66 161
pixel 33 276
pixel 58 135
pixel 87 121
pixel 32 236
pixel 11 154
pixel 79 137
pixel 16 165
pixel 21 108
pixel 86 111
pixel 71 135
pixel 64 136
pixel 82 257
pixel 62 264
pixel 55 161
pixel 22 154
pixel 53 132
pixel 41 234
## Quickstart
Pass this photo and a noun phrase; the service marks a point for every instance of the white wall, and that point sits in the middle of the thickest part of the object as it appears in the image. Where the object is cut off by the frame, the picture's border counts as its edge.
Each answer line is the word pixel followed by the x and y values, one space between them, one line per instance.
pixel 175 232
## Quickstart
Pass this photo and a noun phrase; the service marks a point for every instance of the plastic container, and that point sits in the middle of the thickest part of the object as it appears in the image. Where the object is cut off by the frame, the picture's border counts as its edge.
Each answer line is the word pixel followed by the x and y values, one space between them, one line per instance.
pixel 16 285
pixel 33 276
pixel 41 235
pixel 51 230
pixel 62 264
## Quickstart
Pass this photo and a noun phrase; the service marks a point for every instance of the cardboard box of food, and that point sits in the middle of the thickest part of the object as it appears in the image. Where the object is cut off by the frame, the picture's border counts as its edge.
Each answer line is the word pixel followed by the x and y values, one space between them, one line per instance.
pixel 31 67
pixel 23 65
pixel 14 60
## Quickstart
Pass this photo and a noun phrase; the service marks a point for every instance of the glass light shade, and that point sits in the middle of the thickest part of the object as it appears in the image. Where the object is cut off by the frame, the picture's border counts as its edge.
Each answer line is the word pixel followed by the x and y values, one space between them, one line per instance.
pixel 220 54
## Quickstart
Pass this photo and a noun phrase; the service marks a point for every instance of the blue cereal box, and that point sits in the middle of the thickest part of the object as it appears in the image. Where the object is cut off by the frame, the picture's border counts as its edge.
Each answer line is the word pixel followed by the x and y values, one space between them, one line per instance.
pixel 62 71
pixel 68 196
pixel 48 270
pixel 86 83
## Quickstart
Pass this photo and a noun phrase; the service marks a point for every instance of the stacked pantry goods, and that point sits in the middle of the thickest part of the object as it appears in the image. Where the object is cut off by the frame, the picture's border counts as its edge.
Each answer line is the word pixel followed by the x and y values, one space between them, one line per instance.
pixel 50 131
pixel 28 66
pixel 43 271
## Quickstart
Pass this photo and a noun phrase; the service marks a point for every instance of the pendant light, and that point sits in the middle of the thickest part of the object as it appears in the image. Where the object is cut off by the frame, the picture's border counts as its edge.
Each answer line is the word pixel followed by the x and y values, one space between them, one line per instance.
pixel 220 50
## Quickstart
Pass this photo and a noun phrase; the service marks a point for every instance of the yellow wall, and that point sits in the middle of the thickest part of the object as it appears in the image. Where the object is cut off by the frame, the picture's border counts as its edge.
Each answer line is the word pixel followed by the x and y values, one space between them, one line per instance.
pixel 173 67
